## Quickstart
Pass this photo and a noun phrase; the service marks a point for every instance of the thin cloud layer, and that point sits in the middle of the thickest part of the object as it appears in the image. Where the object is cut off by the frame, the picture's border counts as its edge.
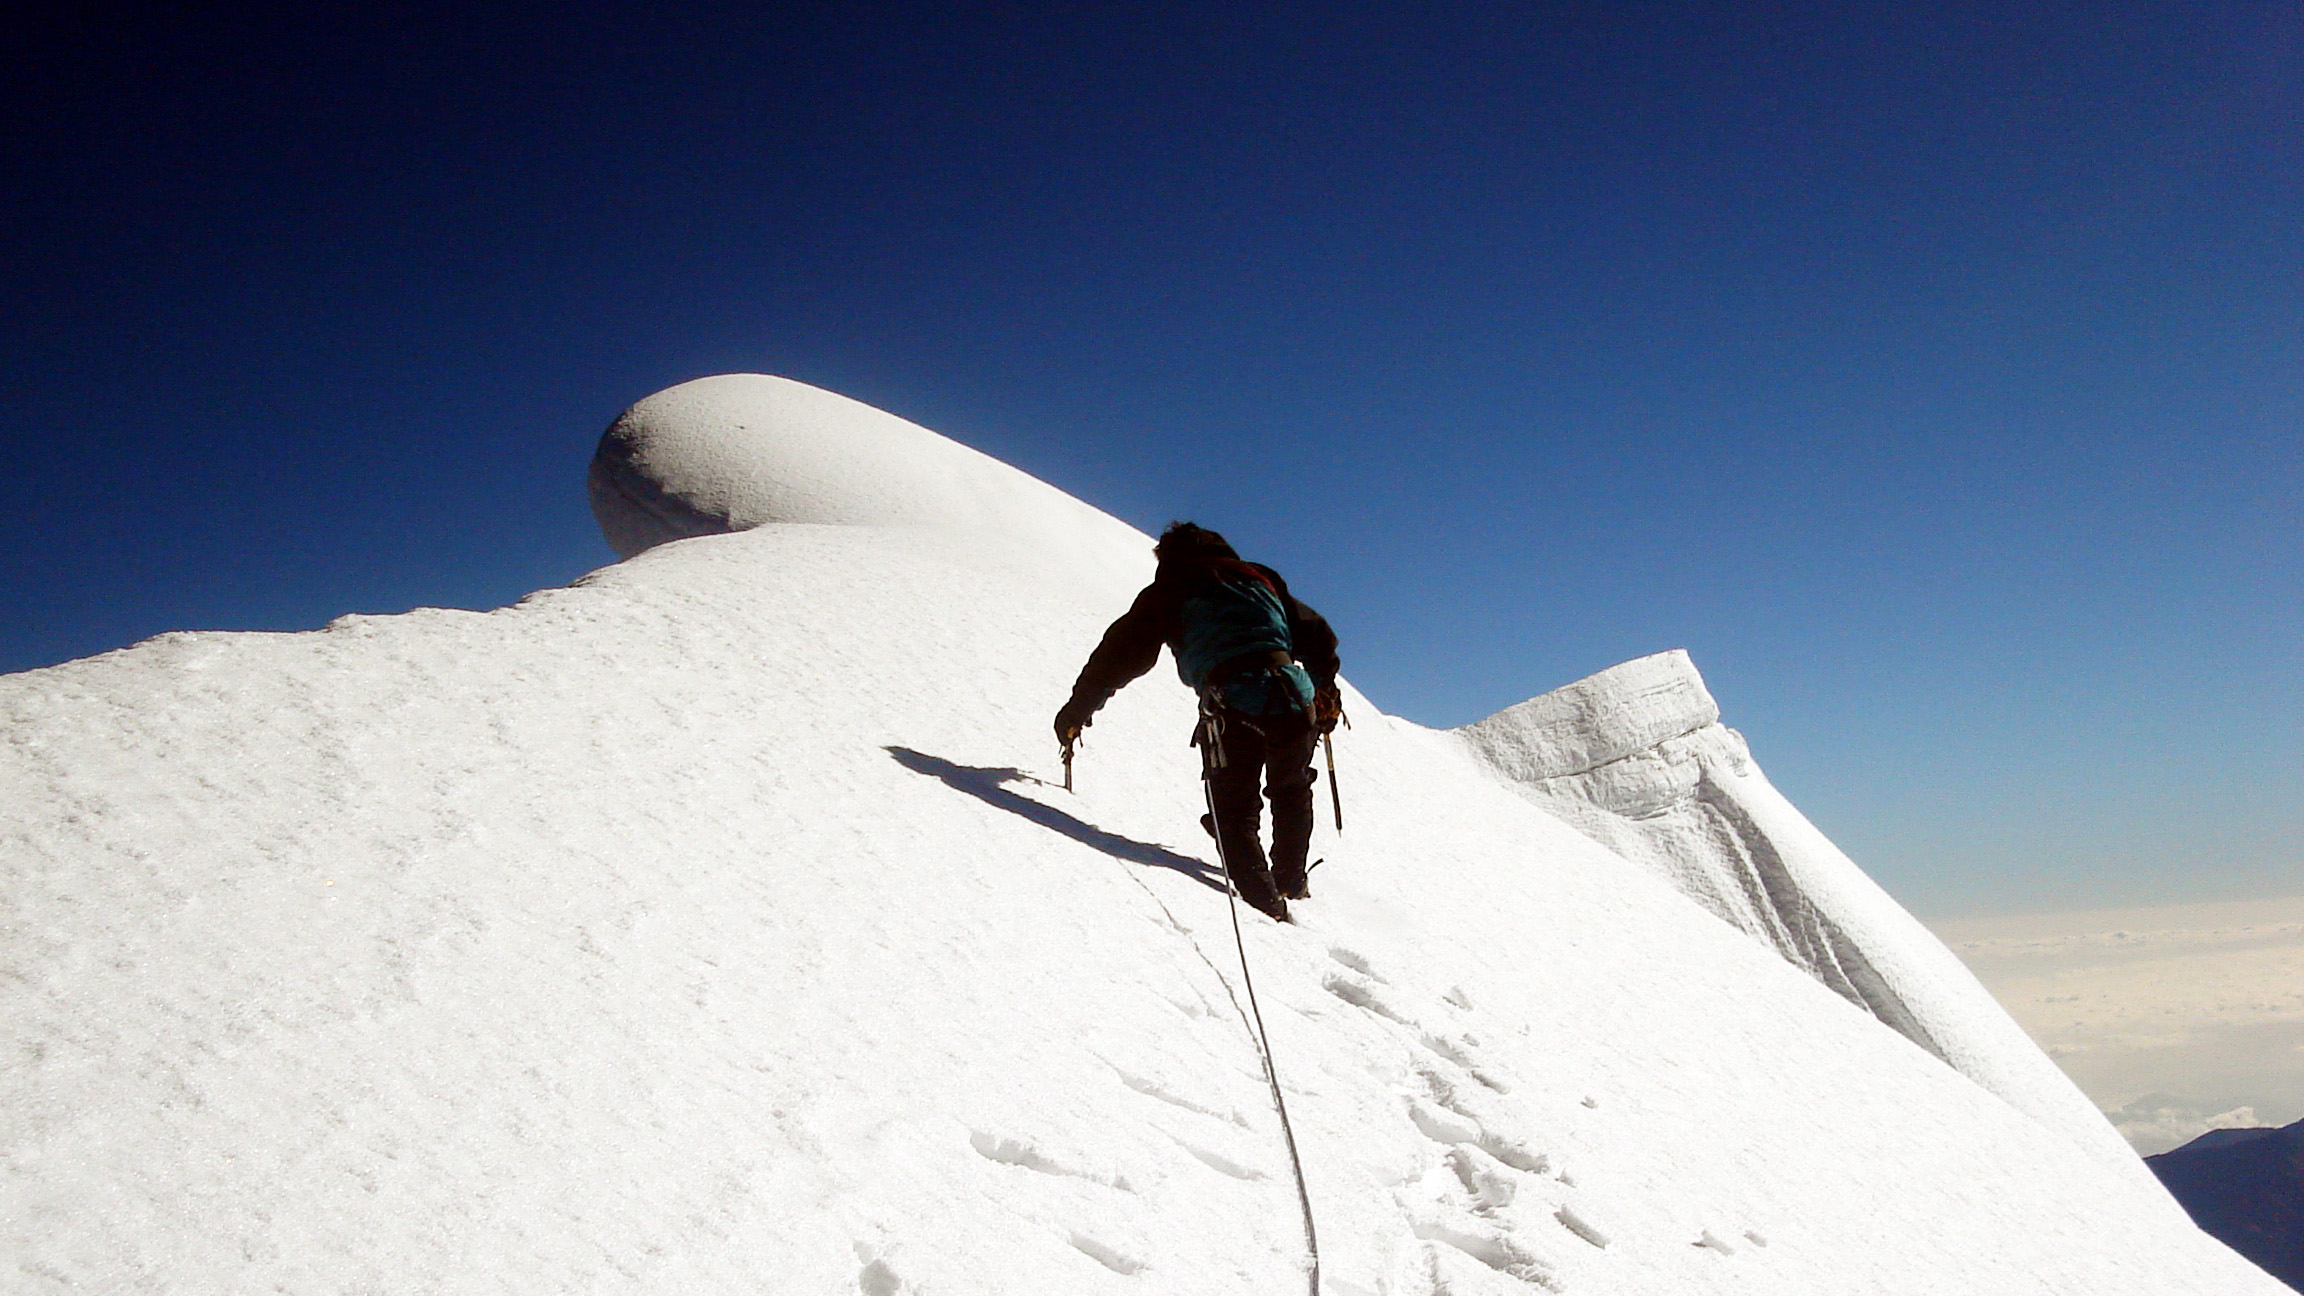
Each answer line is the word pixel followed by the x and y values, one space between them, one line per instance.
pixel 2176 1019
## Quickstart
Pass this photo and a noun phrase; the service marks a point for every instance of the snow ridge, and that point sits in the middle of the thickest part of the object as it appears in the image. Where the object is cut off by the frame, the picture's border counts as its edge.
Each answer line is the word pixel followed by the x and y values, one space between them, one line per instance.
pixel 1635 757
pixel 1619 713
pixel 714 925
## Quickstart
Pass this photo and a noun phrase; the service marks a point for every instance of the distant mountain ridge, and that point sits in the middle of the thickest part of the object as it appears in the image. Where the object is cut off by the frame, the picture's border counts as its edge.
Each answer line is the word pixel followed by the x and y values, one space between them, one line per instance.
pixel 2245 1187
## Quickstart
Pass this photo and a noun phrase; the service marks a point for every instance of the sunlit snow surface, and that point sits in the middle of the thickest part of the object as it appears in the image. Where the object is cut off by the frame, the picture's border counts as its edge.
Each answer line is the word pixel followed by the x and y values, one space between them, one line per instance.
pixel 710 926
pixel 1637 758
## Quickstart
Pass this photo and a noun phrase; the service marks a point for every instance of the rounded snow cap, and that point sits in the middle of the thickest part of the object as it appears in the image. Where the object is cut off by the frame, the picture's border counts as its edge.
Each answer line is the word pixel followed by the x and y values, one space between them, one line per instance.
pixel 744 450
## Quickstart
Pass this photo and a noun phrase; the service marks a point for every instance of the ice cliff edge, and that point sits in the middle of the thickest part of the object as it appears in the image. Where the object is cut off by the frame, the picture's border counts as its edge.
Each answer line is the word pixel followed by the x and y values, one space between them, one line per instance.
pixel 1635 757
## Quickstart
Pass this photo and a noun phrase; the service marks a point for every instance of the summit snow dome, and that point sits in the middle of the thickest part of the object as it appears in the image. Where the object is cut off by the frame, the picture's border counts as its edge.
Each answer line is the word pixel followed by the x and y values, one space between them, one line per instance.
pixel 738 451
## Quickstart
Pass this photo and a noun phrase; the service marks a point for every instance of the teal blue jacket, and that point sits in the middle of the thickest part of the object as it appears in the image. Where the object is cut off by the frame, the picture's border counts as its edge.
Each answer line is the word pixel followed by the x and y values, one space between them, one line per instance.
pixel 1223 620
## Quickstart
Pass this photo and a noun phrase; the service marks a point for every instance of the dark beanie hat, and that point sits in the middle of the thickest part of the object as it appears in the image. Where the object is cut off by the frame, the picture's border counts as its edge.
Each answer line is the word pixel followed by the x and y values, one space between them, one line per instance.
pixel 1188 541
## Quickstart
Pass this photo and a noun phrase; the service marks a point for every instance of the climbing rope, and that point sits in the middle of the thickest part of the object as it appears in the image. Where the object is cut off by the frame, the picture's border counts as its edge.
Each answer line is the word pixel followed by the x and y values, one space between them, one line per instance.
pixel 1212 753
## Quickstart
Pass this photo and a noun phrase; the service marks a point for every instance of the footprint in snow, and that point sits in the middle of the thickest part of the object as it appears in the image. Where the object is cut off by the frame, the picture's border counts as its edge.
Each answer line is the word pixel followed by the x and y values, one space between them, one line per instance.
pixel 1356 962
pixel 1494 1247
pixel 1455 1115
pixel 1581 1227
pixel 1219 1163
pixel 876 1278
pixel 1017 1152
pixel 1484 1178
pixel 1152 1089
pixel 1473 1214
pixel 1110 1257
pixel 1460 1051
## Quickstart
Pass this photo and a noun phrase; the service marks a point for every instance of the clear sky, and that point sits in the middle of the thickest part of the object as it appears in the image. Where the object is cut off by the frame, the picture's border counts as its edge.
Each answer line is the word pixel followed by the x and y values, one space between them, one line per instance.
pixel 1933 373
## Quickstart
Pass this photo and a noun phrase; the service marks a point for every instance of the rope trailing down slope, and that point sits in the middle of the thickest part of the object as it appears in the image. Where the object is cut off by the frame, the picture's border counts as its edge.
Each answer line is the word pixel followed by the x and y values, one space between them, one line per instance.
pixel 1264 1049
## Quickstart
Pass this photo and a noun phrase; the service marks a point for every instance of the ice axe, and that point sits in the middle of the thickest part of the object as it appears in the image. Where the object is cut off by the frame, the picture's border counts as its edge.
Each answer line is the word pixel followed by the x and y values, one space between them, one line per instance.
pixel 1328 746
pixel 1335 798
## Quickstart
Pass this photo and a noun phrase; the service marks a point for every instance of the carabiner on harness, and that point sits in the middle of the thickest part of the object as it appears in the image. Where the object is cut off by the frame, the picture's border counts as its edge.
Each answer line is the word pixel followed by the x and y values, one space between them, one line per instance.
pixel 1208 735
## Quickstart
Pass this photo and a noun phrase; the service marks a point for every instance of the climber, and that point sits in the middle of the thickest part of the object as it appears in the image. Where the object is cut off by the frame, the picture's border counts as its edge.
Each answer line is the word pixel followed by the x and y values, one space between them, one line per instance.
pixel 1264 666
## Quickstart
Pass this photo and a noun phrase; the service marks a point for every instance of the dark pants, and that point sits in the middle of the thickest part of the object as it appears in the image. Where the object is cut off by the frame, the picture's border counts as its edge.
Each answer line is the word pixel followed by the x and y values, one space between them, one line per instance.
pixel 1275 751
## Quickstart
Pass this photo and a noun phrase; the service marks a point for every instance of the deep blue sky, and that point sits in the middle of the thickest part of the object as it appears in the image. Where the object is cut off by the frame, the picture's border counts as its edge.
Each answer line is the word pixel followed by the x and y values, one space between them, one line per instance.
pixel 1933 373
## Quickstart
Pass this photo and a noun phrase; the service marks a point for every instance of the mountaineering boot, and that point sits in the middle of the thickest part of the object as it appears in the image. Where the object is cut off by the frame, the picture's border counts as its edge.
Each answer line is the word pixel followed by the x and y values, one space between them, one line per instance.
pixel 1291 886
pixel 1298 887
pixel 1254 883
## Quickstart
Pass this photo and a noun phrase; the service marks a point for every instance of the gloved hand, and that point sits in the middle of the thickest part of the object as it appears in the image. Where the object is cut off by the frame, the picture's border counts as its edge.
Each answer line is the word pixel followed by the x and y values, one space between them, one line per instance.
pixel 1327 707
pixel 1071 719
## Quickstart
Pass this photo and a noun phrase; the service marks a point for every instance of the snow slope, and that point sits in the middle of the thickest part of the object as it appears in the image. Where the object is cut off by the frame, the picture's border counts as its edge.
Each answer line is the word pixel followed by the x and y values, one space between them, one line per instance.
pixel 708 926
pixel 1636 757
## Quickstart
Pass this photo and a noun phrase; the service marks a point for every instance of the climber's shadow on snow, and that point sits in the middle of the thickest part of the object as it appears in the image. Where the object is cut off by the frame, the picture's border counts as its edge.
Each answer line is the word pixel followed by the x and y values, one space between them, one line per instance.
pixel 985 785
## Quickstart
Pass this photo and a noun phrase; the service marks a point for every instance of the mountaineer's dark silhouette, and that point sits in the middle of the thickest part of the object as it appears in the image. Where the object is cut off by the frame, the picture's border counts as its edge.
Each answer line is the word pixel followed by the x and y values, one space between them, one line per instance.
pixel 1264 665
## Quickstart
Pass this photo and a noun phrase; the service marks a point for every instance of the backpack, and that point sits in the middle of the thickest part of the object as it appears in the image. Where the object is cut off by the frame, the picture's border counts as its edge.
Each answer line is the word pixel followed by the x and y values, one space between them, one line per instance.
pixel 1236 611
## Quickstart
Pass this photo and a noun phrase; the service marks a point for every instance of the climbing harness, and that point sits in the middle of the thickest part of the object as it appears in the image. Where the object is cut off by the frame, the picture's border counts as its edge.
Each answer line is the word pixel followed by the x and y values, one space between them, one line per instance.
pixel 1212 758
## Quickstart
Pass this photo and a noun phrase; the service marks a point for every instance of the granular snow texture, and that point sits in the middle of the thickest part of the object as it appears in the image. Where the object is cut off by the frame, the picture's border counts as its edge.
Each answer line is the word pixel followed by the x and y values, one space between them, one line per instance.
pixel 713 926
